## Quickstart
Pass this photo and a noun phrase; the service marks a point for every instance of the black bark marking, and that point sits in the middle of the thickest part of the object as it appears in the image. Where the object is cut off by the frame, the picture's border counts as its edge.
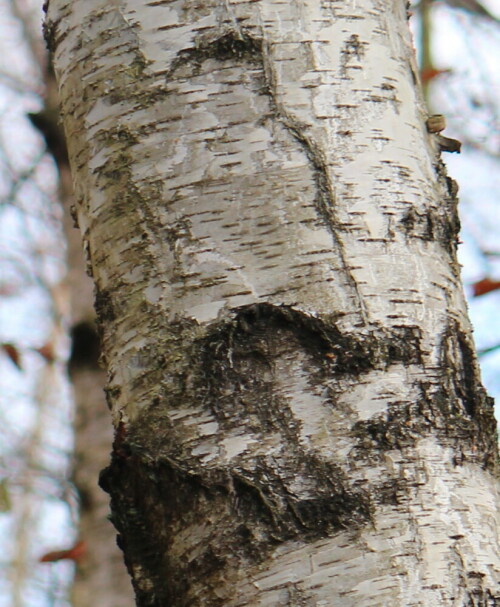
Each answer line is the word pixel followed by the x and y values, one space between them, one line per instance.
pixel 160 490
pixel 238 358
pixel 230 45
pixel 457 410
pixel 461 370
pixel 398 428
pixel 153 503
pixel 473 420
pixel 441 223
pixel 49 30
pixel 352 50
pixel 468 383
pixel 104 307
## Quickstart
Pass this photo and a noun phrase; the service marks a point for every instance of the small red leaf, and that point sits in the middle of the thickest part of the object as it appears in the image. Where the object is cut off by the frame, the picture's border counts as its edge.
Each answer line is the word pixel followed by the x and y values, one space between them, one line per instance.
pixel 13 353
pixel 47 351
pixel 74 554
pixel 429 73
pixel 486 285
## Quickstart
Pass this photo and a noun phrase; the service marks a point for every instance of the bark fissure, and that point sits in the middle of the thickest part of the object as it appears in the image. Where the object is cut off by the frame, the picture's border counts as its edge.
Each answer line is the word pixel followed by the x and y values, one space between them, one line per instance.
pixel 232 374
pixel 249 520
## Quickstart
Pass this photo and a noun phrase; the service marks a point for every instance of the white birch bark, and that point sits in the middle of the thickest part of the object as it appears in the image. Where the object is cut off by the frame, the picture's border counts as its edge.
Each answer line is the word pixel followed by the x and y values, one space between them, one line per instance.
pixel 291 372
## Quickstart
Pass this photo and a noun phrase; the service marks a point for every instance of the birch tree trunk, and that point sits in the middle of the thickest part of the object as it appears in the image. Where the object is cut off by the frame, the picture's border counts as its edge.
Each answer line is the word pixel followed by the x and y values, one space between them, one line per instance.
pixel 298 412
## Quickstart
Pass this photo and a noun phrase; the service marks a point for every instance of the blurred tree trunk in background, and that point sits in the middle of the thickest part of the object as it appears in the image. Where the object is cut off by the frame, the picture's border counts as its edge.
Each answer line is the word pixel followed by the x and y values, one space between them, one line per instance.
pixel 298 413
pixel 101 577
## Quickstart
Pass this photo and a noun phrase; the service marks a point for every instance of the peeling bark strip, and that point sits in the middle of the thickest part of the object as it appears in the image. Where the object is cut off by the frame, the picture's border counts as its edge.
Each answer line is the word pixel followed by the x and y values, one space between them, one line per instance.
pixel 298 410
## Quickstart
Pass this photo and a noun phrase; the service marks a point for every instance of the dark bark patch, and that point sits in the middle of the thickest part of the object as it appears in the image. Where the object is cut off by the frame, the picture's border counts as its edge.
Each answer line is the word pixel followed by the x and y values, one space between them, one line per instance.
pixel 466 409
pixel 50 35
pixel 228 522
pixel 243 361
pixel 469 384
pixel 300 496
pixel 352 53
pixel 441 225
pixel 438 411
pixel 389 491
pixel 460 368
pixel 152 504
pixel 134 506
pixel 331 349
pixel 228 46
pixel 418 225
pixel 241 364
pixel 104 307
pixel 399 428
pixel 479 596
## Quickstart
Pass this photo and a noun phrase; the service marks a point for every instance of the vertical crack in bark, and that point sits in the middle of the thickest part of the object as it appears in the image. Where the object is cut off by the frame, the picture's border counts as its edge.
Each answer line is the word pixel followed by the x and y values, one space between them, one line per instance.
pixel 325 203
pixel 235 49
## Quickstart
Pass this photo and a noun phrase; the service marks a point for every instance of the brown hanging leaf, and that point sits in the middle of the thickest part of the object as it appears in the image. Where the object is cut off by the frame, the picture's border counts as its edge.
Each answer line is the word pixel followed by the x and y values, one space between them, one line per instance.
pixel 13 353
pixel 429 73
pixel 74 554
pixel 47 351
pixel 486 285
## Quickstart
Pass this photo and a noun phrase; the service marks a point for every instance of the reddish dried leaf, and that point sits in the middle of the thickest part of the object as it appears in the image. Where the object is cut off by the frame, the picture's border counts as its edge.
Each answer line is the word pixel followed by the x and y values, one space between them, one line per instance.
pixel 486 285
pixel 13 353
pixel 429 73
pixel 74 554
pixel 47 351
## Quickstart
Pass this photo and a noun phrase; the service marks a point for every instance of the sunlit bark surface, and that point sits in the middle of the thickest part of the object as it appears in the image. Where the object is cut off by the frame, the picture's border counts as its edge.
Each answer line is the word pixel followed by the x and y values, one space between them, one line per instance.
pixel 298 413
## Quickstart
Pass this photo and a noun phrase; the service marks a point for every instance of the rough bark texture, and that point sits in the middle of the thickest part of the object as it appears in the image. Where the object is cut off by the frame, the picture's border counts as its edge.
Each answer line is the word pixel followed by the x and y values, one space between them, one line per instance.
pixel 298 412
